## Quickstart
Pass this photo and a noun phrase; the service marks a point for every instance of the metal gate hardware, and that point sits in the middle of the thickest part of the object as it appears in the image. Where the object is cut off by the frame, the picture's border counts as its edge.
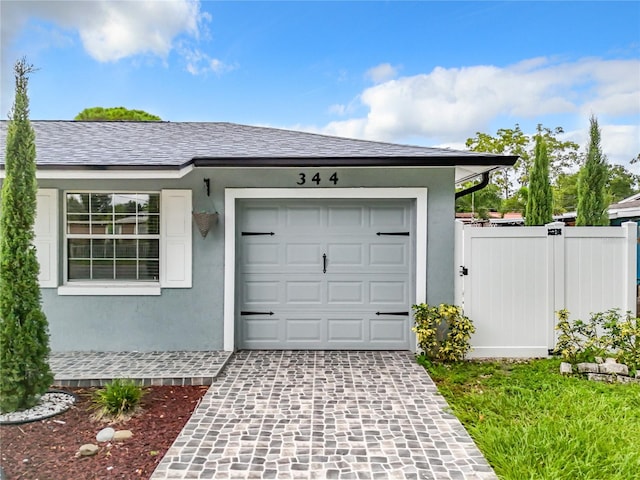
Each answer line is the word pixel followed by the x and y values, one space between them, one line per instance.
pixel 255 313
pixel 253 234
pixel 395 234
pixel 554 231
pixel 324 263
pixel 463 270
pixel 399 314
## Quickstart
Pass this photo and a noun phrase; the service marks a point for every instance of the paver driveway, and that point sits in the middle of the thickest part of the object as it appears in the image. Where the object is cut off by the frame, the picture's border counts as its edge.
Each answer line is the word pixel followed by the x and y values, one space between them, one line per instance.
pixel 323 415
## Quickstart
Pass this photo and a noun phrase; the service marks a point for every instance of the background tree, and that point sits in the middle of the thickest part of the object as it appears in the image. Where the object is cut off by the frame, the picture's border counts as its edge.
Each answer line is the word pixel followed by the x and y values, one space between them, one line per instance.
pixel 540 201
pixel 565 193
pixel 24 337
pixel 481 202
pixel 97 114
pixel 592 206
pixel 621 183
pixel 513 141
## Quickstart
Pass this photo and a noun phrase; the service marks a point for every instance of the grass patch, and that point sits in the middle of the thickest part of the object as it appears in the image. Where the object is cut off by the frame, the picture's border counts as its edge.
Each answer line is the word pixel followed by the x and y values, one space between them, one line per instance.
pixel 532 423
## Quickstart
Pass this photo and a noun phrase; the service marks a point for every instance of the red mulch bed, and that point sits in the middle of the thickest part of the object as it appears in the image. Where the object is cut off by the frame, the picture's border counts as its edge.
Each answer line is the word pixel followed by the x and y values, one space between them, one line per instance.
pixel 45 450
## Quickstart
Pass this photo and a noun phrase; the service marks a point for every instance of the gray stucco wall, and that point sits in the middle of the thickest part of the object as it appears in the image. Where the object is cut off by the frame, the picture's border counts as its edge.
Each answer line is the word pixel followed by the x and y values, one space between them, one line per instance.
pixel 192 319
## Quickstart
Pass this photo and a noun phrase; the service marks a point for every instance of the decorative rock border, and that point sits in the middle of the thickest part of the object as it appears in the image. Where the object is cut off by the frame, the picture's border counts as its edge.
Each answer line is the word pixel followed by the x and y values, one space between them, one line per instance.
pixel 51 403
pixel 607 371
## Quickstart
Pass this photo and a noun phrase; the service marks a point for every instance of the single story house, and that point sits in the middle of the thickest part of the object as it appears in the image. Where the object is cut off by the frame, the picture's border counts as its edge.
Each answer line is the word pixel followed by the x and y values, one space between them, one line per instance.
pixel 321 242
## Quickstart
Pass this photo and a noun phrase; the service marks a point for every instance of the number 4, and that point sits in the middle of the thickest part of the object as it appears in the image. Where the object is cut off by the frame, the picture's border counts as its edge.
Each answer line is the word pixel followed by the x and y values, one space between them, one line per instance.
pixel 316 178
pixel 334 178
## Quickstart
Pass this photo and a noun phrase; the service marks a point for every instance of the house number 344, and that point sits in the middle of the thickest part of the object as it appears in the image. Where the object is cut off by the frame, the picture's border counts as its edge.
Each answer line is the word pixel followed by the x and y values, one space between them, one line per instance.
pixel 302 178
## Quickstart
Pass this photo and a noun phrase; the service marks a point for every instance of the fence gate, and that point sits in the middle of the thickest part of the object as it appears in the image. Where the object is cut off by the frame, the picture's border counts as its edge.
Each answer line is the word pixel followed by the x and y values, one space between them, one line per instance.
pixel 512 280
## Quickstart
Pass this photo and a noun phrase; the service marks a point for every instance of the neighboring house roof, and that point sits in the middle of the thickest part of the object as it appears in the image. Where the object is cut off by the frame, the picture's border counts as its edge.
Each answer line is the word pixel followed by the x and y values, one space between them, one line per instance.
pixel 627 208
pixel 169 145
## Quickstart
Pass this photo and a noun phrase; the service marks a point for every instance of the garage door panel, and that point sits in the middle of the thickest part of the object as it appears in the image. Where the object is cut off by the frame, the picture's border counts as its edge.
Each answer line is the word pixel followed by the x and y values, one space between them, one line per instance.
pixel 297 217
pixel 261 292
pixel 389 217
pixel 388 254
pixel 345 217
pixel 345 254
pixel 388 330
pixel 307 330
pixel 261 330
pixel 303 254
pixel 345 293
pixel 261 255
pixel 262 216
pixel 346 330
pixel 304 292
pixel 388 293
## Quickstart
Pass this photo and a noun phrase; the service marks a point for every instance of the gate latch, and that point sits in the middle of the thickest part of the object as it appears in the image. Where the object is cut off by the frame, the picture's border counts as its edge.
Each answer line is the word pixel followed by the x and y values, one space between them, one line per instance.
pixel 554 231
pixel 463 270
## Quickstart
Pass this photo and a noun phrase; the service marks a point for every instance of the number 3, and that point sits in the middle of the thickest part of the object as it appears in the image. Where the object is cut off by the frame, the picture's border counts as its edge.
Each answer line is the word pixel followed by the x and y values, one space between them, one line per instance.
pixel 302 179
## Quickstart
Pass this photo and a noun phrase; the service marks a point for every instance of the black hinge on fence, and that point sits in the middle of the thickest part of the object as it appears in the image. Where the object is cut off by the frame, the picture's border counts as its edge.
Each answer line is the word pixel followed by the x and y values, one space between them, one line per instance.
pixel 395 234
pixel 244 313
pixel 463 270
pixel 399 314
pixel 554 231
pixel 253 234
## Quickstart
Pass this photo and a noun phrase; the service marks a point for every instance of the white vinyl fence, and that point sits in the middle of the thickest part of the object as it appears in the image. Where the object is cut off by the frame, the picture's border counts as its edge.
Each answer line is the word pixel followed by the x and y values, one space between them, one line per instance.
pixel 512 280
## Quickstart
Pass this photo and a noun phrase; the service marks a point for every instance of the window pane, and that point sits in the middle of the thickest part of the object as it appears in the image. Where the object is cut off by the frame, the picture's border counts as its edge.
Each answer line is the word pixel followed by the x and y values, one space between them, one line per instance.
pixel 78 224
pixel 148 270
pixel 125 225
pixel 126 270
pixel 79 248
pixel 101 224
pixel 103 269
pixel 102 248
pixel 101 203
pixel 77 203
pixel 125 202
pixel 148 203
pixel 151 225
pixel 79 270
pixel 149 248
pixel 126 249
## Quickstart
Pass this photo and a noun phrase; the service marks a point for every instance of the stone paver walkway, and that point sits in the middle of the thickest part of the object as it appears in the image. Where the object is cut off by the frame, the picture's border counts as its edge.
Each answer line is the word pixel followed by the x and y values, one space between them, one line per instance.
pixel 323 415
pixel 93 369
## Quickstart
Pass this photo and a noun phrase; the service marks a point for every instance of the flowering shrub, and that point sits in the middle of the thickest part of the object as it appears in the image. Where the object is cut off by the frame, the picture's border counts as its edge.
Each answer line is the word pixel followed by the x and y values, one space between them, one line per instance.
pixel 605 333
pixel 443 332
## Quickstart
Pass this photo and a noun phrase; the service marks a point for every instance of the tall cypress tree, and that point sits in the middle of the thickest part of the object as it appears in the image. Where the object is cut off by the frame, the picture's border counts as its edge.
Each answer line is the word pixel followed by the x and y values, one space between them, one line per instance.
pixel 540 201
pixel 24 338
pixel 592 206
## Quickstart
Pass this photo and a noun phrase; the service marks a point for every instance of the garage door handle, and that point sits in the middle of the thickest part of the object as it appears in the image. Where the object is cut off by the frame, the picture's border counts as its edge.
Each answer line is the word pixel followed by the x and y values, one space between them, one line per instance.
pixel 243 313
pixel 399 314
pixel 324 263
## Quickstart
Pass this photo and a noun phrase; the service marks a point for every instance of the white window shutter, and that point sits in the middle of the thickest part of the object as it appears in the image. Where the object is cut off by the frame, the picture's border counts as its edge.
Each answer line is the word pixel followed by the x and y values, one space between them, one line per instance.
pixel 46 236
pixel 175 239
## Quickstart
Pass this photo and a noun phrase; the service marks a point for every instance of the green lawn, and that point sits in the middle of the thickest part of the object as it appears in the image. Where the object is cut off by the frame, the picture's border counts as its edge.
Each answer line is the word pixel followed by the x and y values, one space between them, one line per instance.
pixel 532 423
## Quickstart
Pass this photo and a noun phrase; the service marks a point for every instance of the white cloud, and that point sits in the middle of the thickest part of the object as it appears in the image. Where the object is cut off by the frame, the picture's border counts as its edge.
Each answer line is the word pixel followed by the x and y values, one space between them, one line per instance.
pixel 199 63
pixel 451 104
pixel 110 31
pixel 381 73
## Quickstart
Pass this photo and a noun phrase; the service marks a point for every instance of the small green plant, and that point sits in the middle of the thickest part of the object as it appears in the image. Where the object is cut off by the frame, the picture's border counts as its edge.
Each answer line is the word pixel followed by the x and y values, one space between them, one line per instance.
pixel 443 332
pixel 118 400
pixel 605 334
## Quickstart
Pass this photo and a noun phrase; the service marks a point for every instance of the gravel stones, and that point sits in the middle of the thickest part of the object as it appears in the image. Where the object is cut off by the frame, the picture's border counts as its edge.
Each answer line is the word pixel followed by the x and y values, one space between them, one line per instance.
pixel 51 403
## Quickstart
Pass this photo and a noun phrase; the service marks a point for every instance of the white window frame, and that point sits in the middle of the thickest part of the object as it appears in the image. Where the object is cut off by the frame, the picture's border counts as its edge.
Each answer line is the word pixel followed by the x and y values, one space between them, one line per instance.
pixel 108 287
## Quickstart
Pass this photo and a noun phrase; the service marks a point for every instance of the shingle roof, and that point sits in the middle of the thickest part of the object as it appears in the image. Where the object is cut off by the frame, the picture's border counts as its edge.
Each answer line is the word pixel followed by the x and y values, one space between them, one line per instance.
pixel 73 144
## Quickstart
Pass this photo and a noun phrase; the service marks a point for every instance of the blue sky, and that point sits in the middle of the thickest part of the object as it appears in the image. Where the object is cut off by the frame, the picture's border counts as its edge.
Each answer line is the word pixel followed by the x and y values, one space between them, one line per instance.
pixel 428 73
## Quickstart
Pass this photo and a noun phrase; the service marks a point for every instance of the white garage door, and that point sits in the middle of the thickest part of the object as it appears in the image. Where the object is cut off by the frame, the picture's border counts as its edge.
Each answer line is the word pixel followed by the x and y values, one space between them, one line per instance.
pixel 325 274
